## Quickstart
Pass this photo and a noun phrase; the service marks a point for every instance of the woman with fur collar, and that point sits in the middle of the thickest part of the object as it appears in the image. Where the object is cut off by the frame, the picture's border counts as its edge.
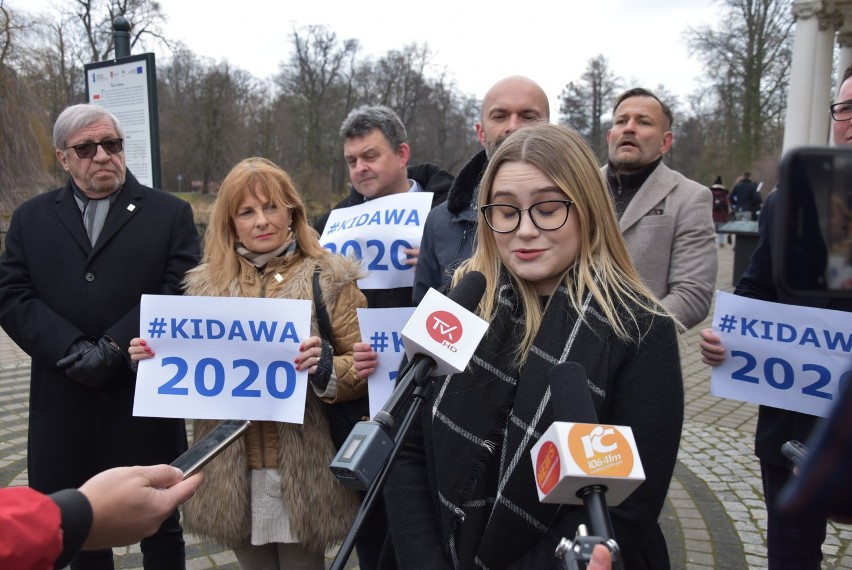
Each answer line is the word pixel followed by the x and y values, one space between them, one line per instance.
pixel 271 496
pixel 560 287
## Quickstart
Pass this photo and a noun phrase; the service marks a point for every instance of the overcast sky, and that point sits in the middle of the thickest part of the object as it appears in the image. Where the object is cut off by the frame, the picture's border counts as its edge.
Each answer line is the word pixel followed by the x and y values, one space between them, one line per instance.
pixel 478 42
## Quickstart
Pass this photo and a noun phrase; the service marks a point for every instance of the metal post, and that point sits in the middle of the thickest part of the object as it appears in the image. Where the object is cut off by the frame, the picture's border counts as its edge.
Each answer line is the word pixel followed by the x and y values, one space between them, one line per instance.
pixel 121 36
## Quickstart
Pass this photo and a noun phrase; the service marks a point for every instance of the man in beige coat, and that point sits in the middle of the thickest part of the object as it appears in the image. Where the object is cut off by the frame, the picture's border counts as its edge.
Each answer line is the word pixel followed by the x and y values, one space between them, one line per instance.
pixel 665 218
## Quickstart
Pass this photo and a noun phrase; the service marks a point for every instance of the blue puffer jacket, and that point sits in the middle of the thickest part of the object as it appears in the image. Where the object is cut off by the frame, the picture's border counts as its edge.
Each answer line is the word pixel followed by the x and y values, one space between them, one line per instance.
pixel 449 232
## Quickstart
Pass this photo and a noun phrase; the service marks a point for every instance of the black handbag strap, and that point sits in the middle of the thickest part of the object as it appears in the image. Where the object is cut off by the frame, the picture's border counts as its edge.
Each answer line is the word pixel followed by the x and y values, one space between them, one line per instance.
pixel 323 320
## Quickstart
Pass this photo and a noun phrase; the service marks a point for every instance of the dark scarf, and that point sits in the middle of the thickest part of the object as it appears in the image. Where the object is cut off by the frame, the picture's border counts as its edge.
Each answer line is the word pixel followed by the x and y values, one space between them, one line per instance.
pixel 465 187
pixel 484 422
pixel 623 187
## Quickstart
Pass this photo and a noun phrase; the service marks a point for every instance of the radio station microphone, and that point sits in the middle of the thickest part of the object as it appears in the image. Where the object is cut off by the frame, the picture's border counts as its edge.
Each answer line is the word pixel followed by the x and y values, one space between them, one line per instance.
pixel 569 394
pixel 440 338
pixel 579 461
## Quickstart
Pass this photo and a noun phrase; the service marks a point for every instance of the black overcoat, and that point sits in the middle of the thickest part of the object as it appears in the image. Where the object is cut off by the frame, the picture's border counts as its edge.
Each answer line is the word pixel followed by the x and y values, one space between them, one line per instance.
pixel 55 288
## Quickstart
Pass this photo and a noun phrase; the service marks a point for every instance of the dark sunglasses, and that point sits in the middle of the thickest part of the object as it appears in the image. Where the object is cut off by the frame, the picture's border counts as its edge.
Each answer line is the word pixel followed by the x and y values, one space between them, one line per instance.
pixel 90 149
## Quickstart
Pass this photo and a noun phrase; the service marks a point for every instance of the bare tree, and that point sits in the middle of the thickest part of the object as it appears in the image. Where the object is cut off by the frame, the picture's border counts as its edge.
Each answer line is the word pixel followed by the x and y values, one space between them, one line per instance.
pixel 25 150
pixel 583 103
pixel 91 22
pixel 315 83
pixel 747 58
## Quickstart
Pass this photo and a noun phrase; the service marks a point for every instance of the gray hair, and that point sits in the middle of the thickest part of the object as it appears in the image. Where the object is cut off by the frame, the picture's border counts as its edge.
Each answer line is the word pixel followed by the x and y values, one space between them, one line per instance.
pixel 77 117
pixel 362 121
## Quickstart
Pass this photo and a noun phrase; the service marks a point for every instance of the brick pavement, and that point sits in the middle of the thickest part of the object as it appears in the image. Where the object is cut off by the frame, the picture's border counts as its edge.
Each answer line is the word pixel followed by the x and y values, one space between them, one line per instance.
pixel 713 518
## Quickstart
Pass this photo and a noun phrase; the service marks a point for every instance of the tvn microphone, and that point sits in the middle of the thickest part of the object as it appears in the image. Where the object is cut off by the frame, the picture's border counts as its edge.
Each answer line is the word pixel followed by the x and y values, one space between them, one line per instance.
pixel 440 337
pixel 420 366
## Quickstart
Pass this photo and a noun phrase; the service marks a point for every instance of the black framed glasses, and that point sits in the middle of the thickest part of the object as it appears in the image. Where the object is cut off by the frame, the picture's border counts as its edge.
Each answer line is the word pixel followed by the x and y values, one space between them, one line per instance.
pixel 90 149
pixel 841 111
pixel 548 215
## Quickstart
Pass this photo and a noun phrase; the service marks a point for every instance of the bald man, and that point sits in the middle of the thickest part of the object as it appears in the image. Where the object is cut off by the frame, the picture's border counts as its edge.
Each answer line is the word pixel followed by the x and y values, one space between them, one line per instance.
pixel 510 104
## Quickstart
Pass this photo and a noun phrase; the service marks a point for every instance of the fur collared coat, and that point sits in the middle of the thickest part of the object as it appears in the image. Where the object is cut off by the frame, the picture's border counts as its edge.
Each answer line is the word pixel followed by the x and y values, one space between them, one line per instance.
pixel 320 509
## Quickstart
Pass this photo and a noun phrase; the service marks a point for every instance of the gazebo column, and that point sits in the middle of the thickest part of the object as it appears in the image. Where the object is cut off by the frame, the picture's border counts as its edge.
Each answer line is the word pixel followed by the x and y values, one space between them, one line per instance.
pixel 820 118
pixel 800 97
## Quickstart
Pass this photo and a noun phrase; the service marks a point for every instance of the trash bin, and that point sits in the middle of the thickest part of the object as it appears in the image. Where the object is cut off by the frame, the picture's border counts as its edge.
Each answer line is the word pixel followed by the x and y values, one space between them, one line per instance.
pixel 745 243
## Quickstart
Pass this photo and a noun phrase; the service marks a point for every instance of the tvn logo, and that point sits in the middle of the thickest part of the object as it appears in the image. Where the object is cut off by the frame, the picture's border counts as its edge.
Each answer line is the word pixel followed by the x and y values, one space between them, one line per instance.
pixel 445 329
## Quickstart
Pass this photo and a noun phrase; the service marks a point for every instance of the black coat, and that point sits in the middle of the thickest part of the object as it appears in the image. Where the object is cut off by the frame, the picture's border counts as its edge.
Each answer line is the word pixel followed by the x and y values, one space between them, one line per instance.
pixel 55 288
pixel 775 425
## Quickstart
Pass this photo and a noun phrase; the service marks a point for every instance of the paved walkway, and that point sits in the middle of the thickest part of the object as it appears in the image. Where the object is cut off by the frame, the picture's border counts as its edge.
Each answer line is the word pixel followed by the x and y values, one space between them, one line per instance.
pixel 714 516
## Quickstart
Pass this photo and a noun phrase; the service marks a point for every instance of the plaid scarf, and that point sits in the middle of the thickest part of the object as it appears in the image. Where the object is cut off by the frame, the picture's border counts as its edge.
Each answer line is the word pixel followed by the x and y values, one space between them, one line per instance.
pixel 485 420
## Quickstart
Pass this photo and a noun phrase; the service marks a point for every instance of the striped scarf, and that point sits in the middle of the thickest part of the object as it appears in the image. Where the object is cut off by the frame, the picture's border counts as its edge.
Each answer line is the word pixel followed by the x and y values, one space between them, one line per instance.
pixel 485 421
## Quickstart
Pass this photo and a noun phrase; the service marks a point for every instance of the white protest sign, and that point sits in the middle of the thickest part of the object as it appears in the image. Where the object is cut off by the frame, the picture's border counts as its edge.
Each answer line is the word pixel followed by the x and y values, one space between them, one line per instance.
pixel 783 356
pixel 222 358
pixel 382 329
pixel 378 232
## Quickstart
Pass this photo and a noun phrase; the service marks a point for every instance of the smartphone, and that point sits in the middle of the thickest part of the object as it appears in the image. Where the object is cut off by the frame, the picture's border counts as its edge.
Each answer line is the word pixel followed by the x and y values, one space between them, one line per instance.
pixel 193 459
pixel 795 451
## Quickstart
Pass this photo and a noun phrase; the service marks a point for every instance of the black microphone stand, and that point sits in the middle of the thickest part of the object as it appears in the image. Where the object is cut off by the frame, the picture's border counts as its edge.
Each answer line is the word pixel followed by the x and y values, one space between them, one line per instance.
pixel 594 501
pixel 419 394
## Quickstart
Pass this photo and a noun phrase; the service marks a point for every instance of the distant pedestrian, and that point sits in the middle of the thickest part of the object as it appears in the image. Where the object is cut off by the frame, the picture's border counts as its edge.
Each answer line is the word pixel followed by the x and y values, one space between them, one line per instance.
pixel 745 199
pixel 721 208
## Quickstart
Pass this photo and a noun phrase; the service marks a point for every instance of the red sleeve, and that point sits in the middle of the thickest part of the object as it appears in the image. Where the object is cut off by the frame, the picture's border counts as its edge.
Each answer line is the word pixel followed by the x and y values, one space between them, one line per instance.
pixel 30 529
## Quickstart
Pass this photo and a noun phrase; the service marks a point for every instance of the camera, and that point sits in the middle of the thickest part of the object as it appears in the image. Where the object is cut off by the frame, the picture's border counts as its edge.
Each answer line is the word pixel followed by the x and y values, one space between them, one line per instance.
pixel 813 257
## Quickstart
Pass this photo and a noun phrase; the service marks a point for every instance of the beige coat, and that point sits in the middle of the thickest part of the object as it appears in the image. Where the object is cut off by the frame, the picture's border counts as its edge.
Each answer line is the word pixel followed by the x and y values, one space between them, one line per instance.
pixel 320 509
pixel 670 235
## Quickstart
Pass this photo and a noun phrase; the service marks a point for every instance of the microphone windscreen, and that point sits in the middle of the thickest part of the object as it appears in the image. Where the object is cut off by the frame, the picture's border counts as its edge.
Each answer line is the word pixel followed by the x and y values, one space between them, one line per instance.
pixel 469 291
pixel 570 395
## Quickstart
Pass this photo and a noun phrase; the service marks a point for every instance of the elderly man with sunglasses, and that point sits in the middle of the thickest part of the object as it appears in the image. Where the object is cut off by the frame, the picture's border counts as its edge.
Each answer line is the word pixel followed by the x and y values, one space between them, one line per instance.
pixel 77 260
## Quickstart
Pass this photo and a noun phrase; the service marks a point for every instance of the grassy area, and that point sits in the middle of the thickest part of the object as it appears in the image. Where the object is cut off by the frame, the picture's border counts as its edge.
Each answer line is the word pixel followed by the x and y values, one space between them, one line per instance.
pixel 200 203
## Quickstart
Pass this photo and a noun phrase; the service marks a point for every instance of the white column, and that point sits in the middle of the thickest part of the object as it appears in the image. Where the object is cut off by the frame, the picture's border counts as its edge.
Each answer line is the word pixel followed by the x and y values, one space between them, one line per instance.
pixel 844 42
pixel 821 89
pixel 800 96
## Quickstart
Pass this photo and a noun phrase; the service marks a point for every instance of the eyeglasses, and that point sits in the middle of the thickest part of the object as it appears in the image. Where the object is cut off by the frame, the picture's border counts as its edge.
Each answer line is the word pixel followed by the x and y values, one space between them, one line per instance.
pixel 505 218
pixel 90 149
pixel 841 111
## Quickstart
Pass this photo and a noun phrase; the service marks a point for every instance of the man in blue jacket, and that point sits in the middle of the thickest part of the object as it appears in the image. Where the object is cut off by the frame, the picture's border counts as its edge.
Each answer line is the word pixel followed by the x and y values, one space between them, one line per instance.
pixel 448 235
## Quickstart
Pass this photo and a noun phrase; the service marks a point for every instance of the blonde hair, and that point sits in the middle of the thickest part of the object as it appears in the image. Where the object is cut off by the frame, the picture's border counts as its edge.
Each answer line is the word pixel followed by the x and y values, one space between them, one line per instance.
pixel 602 266
pixel 251 177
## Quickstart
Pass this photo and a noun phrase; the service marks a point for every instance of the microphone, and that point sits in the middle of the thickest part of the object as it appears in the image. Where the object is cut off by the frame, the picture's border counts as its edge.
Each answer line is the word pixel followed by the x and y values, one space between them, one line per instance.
pixel 569 394
pixel 440 337
pixel 433 319
pixel 577 460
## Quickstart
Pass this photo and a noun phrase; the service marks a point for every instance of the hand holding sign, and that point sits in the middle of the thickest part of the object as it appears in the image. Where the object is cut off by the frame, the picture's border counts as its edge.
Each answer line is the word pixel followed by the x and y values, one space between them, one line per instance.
pixel 783 356
pixel 384 233
pixel 213 360
pixel 378 358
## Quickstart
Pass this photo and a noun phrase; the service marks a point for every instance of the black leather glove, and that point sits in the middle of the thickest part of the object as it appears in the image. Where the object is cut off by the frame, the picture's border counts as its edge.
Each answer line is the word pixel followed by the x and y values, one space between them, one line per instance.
pixel 75 351
pixel 92 364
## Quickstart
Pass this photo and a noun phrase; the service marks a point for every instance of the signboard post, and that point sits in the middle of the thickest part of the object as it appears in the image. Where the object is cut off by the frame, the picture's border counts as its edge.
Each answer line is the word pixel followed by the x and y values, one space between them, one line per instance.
pixel 127 87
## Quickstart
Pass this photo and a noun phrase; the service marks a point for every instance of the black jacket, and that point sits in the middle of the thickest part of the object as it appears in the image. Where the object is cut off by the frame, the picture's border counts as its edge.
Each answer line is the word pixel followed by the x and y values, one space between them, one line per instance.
pixel 774 425
pixel 450 230
pixel 55 288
